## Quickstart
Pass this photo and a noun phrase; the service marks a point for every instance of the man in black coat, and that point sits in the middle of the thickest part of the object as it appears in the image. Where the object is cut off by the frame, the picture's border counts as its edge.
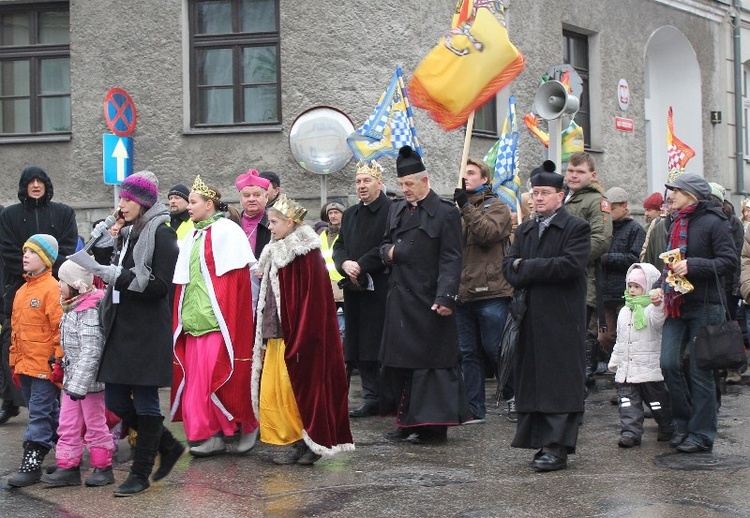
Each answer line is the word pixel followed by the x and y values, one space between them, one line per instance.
pixel 419 353
pixel 548 259
pixel 35 214
pixel 357 256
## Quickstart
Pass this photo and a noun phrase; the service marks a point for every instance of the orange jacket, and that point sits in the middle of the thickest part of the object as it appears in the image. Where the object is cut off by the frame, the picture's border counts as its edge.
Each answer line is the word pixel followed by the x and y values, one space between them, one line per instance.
pixel 35 326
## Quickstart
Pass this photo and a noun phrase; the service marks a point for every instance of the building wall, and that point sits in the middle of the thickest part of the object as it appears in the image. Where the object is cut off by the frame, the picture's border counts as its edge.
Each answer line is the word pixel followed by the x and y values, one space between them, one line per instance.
pixel 342 54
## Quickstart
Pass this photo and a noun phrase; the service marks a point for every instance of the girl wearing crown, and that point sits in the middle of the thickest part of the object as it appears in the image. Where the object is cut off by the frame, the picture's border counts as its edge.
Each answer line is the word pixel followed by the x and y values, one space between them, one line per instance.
pixel 212 336
pixel 299 387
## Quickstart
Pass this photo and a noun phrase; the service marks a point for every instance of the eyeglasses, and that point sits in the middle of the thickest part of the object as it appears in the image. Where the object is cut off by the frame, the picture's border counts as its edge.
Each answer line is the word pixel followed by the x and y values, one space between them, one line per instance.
pixel 544 193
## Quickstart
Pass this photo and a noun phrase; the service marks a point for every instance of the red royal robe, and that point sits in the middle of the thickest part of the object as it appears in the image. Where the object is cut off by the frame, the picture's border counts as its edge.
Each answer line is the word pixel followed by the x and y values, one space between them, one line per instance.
pixel 234 297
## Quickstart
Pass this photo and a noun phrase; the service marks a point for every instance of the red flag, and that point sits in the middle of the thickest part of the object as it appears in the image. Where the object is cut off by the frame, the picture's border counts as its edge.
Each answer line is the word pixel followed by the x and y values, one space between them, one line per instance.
pixel 678 153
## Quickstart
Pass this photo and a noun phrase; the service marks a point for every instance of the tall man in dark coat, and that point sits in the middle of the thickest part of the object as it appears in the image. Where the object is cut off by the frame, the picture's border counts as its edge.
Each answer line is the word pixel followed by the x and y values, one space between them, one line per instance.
pixel 548 259
pixel 357 256
pixel 419 352
pixel 35 214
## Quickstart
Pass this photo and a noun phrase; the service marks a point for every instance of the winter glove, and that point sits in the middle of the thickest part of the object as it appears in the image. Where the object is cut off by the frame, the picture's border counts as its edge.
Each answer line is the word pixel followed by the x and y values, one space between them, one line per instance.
pixel 76 397
pixel 99 230
pixel 461 197
pixel 106 241
pixel 57 372
pixel 16 379
pixel 108 274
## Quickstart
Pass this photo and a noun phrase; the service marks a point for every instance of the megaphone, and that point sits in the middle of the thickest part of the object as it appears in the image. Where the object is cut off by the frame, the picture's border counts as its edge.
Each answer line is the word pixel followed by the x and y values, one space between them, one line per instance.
pixel 552 101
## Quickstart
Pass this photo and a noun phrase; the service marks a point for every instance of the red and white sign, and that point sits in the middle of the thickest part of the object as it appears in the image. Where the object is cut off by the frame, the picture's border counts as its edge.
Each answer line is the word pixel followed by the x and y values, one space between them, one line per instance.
pixel 623 94
pixel 623 124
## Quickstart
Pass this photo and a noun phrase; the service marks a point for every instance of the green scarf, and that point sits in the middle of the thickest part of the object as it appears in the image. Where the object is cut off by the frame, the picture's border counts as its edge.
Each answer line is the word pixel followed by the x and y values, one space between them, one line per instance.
pixel 636 305
pixel 206 222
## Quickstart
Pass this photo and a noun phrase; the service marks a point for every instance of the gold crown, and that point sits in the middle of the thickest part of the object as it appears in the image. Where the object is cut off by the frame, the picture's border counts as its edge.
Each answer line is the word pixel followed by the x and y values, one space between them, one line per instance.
pixel 290 208
pixel 201 188
pixel 372 168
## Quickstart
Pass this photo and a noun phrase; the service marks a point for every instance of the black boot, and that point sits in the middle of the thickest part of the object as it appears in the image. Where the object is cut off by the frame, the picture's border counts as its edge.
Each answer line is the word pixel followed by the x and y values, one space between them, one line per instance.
pixel 63 477
pixel 146 446
pixel 30 471
pixel 170 451
pixel 590 362
pixel 7 411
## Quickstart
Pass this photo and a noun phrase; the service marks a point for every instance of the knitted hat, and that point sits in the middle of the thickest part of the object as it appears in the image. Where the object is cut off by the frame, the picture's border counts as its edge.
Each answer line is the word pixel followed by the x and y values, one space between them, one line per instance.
pixel 691 183
pixel 616 195
pixel 179 190
pixel 141 187
pixel 654 202
pixel 75 276
pixel 638 276
pixel 408 162
pixel 45 246
pixel 251 178
pixel 545 176
pixel 717 190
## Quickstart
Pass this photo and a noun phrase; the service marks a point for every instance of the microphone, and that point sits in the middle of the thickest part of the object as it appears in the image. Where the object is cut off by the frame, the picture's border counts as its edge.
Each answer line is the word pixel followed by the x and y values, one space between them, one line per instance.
pixel 107 225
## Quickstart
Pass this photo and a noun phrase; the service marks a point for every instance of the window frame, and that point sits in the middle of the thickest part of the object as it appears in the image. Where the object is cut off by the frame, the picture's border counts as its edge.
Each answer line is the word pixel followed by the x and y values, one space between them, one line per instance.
pixel 489 112
pixel 583 116
pixel 235 41
pixel 34 53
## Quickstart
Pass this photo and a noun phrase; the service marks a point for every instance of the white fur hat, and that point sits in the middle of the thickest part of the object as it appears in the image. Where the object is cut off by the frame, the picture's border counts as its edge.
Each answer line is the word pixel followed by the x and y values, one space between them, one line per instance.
pixel 75 276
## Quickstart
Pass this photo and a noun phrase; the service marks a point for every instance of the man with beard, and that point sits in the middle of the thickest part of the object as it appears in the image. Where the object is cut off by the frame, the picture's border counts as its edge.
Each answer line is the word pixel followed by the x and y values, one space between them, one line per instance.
pixel 35 214
pixel 328 238
pixel 179 219
pixel 419 351
pixel 357 257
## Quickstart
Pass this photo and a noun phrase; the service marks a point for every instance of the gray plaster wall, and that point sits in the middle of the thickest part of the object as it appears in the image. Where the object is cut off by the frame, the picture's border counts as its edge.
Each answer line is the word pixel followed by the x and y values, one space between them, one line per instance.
pixel 340 54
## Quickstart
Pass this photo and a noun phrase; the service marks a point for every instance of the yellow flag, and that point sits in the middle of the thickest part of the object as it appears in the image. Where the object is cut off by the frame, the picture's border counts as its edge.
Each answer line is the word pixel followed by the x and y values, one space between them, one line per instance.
pixel 468 66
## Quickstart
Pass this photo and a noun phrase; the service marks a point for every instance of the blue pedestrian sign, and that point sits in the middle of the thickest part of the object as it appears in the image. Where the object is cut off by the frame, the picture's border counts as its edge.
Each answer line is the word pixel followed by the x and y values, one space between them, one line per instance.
pixel 117 158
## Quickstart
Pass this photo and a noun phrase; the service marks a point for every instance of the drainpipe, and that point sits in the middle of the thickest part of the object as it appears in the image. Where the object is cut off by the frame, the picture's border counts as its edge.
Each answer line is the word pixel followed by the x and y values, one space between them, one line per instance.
pixel 738 126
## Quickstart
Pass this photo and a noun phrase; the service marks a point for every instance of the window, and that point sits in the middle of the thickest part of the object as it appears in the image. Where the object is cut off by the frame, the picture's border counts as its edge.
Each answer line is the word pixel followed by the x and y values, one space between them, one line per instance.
pixel 235 71
pixel 34 69
pixel 576 54
pixel 485 119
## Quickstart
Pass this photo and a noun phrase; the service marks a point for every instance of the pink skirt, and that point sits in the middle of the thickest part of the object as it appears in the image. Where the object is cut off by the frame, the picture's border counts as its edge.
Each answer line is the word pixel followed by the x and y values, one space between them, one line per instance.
pixel 202 417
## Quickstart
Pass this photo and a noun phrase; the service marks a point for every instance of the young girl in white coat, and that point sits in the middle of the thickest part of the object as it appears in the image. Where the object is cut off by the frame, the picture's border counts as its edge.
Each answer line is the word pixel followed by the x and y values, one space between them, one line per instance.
pixel 636 358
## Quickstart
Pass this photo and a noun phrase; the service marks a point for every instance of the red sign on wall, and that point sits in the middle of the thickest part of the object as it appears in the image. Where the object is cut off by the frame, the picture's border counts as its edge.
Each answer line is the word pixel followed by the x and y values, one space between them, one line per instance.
pixel 623 124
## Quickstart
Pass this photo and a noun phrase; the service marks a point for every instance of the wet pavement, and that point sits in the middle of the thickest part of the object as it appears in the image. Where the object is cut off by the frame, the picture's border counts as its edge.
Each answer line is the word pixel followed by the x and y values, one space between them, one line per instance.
pixel 475 474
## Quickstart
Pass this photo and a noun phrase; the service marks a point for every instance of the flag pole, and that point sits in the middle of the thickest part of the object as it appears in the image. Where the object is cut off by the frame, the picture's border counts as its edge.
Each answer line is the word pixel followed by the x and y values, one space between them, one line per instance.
pixel 467 145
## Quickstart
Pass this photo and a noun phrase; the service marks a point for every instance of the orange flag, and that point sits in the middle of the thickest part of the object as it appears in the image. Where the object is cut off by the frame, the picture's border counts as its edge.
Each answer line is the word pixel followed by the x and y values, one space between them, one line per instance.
pixel 678 153
pixel 468 66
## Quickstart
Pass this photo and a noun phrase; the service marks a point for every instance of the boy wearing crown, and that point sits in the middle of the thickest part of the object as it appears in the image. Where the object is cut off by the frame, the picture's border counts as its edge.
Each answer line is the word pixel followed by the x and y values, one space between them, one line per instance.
pixel 299 387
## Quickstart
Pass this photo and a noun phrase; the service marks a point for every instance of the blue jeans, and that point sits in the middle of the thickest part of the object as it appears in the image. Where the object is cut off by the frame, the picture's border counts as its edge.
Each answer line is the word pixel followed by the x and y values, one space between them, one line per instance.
pixel 124 399
pixel 480 327
pixel 41 398
pixel 694 406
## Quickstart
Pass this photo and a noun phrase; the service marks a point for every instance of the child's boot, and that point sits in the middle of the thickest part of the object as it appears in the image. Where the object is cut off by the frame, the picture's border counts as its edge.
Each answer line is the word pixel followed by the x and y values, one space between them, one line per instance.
pixel 101 461
pixel 63 477
pixel 30 471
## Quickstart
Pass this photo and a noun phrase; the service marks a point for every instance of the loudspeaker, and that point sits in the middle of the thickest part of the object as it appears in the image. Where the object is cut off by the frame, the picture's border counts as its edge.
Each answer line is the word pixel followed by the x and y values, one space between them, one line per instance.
pixel 552 101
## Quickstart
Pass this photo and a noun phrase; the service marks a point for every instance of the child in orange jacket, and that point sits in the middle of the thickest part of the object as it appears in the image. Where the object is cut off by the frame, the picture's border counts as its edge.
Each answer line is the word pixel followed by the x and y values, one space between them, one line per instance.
pixel 35 347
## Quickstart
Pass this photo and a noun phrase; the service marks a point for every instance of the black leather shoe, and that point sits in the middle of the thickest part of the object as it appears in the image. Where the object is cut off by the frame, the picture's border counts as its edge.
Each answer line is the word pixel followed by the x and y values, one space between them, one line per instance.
pixel 677 439
pixel 431 435
pixel 6 412
pixel 365 410
pixel 400 434
pixel 689 446
pixel 549 462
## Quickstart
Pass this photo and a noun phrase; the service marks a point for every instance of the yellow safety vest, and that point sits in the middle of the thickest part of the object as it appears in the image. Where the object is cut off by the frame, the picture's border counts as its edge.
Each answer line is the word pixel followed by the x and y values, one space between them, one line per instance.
pixel 328 256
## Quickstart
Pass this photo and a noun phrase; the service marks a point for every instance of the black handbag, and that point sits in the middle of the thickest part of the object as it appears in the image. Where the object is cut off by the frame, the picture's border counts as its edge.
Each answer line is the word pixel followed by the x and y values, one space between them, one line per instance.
pixel 720 346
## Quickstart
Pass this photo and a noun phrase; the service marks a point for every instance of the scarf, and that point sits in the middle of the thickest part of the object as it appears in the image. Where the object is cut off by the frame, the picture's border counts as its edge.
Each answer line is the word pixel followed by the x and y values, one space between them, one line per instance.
pixel 206 222
pixel 677 239
pixel 69 304
pixel 143 250
pixel 636 305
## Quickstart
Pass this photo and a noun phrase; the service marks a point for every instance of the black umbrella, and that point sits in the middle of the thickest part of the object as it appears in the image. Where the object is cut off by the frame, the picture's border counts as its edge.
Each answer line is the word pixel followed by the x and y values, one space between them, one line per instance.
pixel 509 341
